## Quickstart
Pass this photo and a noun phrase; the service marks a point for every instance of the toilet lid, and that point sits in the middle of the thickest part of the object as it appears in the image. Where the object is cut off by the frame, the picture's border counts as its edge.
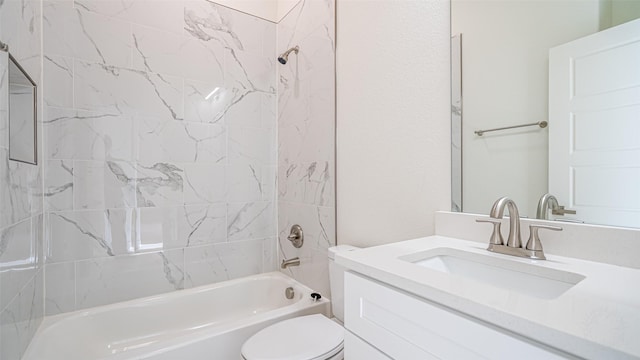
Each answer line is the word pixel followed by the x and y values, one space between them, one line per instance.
pixel 302 338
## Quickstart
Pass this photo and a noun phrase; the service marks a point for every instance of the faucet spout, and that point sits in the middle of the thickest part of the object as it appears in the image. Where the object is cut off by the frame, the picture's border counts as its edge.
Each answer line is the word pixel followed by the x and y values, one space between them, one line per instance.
pixel 533 248
pixel 546 201
pixel 497 212
pixel 290 262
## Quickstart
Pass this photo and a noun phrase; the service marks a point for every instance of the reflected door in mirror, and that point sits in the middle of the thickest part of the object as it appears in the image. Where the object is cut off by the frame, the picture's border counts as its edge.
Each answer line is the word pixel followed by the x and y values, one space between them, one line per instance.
pixel 594 143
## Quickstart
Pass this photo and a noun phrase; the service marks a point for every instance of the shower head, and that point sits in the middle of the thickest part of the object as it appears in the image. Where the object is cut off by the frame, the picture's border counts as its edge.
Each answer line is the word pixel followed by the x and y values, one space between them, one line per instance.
pixel 285 56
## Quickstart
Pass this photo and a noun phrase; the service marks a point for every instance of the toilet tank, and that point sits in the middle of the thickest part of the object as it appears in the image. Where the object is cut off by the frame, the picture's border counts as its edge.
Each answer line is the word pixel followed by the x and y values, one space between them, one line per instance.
pixel 336 280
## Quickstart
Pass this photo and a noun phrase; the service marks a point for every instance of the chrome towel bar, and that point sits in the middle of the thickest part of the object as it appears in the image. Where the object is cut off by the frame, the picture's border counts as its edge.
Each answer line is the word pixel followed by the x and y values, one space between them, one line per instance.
pixel 543 124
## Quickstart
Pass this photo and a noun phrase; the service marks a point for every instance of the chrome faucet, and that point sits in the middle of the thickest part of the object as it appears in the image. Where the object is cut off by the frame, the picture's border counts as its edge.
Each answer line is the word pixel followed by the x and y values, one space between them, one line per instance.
pixel 548 201
pixel 533 248
pixel 290 262
pixel 497 211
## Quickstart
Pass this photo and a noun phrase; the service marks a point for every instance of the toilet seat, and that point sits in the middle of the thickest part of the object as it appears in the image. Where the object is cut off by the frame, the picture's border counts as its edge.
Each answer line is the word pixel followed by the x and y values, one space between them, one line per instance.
pixel 312 337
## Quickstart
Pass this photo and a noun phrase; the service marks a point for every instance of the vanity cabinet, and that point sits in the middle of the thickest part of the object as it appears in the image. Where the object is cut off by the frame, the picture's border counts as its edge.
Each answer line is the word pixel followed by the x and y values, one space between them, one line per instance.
pixel 403 326
pixel 356 348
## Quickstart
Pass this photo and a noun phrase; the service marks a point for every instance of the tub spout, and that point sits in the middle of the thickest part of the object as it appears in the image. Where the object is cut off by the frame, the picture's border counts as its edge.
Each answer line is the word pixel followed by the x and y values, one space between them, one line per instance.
pixel 290 262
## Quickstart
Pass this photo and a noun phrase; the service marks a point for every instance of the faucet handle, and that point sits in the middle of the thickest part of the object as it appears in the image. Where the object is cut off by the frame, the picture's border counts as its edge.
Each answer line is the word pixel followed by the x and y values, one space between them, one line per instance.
pixel 296 236
pixel 534 239
pixel 496 235
pixel 560 210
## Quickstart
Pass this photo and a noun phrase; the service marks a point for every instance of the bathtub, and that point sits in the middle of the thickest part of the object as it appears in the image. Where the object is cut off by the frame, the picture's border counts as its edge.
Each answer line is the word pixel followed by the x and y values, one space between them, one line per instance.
pixel 208 322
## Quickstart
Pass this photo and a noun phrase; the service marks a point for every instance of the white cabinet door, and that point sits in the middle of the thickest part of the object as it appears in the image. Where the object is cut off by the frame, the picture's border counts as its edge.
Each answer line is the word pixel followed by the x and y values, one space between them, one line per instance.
pixel 594 126
pixel 356 349
pixel 405 327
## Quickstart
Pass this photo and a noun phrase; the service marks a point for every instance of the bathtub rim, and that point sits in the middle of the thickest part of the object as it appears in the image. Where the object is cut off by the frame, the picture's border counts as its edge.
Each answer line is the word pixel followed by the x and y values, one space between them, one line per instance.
pixel 305 302
pixel 175 294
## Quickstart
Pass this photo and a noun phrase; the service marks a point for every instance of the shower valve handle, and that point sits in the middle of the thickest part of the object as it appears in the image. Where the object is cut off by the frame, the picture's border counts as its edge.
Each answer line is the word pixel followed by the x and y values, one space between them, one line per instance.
pixel 296 236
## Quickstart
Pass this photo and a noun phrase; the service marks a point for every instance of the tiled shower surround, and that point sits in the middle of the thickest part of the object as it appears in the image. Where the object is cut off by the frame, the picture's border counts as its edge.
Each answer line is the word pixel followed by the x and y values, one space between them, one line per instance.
pixel 306 139
pixel 160 131
pixel 21 206
pixel 164 127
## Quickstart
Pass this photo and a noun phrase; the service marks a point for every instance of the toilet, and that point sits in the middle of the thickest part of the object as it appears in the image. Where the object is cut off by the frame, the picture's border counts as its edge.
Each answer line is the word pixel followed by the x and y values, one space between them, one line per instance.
pixel 311 337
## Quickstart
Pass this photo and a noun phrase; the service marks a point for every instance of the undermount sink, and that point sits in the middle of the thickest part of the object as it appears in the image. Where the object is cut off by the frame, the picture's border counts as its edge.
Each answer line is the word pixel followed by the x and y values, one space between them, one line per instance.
pixel 524 278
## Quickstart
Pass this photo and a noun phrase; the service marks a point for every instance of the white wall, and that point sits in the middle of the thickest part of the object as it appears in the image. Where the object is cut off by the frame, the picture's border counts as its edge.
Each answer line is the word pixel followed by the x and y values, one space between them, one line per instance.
pixel 284 7
pixel 266 9
pixel 624 10
pixel 272 10
pixel 616 12
pixel 505 46
pixel 393 111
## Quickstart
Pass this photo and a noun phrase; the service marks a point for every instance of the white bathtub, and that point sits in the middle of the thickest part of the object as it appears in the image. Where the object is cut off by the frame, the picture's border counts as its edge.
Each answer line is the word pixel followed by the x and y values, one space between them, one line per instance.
pixel 208 322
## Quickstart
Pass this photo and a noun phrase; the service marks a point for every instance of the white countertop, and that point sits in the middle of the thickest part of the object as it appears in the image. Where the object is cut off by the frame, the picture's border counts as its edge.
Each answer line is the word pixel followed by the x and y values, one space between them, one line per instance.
pixel 597 318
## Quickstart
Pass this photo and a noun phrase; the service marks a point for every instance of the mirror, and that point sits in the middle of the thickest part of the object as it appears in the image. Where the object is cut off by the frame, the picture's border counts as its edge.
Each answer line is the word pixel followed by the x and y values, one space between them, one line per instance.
pixel 500 78
pixel 22 114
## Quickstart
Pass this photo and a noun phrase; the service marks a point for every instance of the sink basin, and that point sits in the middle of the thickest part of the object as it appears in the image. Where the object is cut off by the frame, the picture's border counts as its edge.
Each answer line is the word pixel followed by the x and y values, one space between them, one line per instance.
pixel 521 277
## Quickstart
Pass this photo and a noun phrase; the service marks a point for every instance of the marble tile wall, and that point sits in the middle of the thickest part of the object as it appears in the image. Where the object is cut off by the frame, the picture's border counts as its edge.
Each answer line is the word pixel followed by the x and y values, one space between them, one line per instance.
pixel 21 204
pixel 157 142
pixel 306 139
pixel 160 148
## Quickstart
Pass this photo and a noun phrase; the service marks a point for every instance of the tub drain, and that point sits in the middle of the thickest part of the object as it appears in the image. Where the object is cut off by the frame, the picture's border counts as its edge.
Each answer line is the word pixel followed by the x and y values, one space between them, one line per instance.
pixel 289 293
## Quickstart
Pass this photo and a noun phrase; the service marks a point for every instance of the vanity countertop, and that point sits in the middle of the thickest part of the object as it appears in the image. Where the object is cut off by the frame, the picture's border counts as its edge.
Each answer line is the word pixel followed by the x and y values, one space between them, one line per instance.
pixel 597 318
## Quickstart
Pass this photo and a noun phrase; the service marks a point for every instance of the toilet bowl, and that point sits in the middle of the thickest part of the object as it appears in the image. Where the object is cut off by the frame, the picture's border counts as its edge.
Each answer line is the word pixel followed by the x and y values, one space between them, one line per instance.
pixel 311 337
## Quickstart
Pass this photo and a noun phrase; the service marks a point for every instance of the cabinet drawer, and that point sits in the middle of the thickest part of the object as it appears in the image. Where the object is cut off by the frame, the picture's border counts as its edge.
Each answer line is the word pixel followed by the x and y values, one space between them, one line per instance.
pixel 356 349
pixel 406 327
